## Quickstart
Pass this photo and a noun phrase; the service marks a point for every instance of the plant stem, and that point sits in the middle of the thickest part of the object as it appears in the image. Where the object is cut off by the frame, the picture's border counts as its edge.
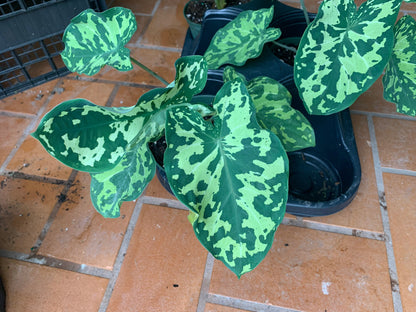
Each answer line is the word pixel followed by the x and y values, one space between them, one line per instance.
pixel 151 72
pixel 284 46
pixel 305 12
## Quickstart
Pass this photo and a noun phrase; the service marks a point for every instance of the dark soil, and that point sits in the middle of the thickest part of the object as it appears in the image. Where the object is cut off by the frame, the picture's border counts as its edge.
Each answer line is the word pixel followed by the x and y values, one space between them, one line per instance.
pixel 158 149
pixel 285 55
pixel 196 9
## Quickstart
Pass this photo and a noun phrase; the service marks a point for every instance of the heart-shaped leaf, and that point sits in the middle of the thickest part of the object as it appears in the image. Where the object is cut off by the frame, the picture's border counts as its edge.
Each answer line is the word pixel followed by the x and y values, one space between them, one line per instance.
pixel 232 174
pixel 241 39
pixel 343 51
pixel 94 39
pixel 400 78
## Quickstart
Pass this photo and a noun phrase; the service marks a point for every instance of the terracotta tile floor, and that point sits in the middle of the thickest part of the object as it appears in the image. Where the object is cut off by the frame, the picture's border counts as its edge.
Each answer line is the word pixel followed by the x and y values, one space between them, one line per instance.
pixel 58 254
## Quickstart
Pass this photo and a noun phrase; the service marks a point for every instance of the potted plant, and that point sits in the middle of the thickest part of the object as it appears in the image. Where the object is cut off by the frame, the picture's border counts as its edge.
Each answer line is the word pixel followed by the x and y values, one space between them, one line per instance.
pixel 228 170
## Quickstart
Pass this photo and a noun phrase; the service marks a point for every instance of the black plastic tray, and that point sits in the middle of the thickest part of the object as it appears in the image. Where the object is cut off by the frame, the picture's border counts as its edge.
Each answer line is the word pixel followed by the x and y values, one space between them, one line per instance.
pixel 30 40
pixel 323 179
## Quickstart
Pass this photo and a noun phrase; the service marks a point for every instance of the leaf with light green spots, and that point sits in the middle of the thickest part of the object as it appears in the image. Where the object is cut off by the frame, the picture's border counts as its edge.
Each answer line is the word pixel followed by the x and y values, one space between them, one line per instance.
pixel 125 182
pixel 400 78
pixel 273 111
pixel 241 39
pixel 232 174
pixel 88 137
pixel 93 138
pixel 94 39
pixel 343 51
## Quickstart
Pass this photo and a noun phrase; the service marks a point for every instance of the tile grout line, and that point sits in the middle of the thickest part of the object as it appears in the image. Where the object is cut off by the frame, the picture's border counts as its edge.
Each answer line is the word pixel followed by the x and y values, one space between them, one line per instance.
pixel 112 96
pixel 395 287
pixel 157 4
pixel 206 281
pixel 114 82
pixel 399 171
pixel 120 256
pixel 53 213
pixel 164 202
pixel 335 229
pixel 17 114
pixel 383 115
pixel 43 179
pixel 246 305
pixel 298 222
pixel 153 47
pixel 56 263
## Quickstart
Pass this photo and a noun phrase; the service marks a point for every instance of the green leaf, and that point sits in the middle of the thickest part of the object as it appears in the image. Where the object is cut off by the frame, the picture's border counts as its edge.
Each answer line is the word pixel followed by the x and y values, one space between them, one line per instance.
pixel 94 39
pixel 400 78
pixel 273 111
pixel 93 138
pixel 343 51
pixel 88 137
pixel 125 182
pixel 241 39
pixel 232 174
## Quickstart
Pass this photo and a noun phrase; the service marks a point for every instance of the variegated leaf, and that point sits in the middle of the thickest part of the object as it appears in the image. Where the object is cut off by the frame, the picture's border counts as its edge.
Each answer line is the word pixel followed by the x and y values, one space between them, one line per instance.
pixel 232 174
pixel 88 137
pixel 343 51
pixel 400 78
pixel 125 182
pixel 241 39
pixel 273 111
pixel 93 138
pixel 94 39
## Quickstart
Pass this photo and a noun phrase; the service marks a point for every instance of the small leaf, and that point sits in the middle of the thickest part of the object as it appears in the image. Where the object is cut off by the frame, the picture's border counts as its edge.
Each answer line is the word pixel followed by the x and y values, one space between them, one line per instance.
pixel 273 111
pixel 241 39
pixel 94 39
pixel 232 174
pixel 124 182
pixel 400 78
pixel 342 52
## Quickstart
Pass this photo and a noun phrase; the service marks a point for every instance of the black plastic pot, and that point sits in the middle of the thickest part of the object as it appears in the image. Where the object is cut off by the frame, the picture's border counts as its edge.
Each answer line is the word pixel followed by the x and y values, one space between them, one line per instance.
pixel 323 179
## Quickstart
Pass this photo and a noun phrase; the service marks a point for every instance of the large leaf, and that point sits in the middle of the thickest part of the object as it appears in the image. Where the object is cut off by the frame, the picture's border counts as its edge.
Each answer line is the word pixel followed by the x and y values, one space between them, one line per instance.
pixel 232 174
pixel 273 111
pixel 94 39
pixel 88 137
pixel 241 39
pixel 400 78
pixel 93 138
pixel 343 51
